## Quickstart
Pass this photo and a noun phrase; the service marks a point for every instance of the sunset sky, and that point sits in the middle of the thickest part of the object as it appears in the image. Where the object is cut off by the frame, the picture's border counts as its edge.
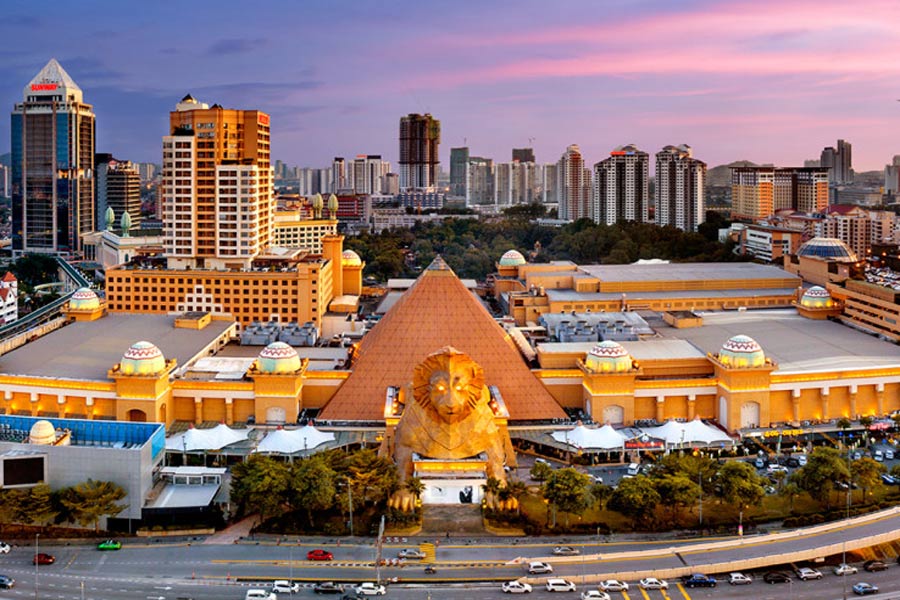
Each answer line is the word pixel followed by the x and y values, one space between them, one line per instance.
pixel 762 80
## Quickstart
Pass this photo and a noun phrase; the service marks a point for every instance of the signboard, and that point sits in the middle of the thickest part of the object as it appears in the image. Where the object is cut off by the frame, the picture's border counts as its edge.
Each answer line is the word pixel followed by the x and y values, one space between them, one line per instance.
pixel 645 443
pixel 43 87
pixel 263 119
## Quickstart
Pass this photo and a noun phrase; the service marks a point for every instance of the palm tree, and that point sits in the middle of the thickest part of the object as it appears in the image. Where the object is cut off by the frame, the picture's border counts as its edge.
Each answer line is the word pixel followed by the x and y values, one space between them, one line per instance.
pixel 415 486
pixel 491 489
pixel 866 422
pixel 517 489
pixel 843 424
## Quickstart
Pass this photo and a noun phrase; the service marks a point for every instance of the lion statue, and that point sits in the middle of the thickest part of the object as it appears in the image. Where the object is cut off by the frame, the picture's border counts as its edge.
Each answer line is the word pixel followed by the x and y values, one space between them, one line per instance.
pixel 447 415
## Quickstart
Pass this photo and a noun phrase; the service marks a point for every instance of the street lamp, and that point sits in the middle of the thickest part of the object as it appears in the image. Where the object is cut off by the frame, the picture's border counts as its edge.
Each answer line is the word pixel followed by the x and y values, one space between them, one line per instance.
pixel 36 562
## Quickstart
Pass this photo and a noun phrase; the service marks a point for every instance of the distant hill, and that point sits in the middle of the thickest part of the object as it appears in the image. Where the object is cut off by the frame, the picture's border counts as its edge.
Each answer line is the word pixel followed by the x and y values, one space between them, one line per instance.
pixel 721 176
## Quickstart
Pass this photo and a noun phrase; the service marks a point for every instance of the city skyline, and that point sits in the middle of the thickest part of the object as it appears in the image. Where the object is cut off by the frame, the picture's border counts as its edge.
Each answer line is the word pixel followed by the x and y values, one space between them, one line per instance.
pixel 736 80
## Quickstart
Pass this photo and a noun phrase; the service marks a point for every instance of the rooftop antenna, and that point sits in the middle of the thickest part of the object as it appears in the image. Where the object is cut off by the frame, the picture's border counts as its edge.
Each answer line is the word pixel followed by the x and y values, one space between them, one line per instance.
pixel 531 141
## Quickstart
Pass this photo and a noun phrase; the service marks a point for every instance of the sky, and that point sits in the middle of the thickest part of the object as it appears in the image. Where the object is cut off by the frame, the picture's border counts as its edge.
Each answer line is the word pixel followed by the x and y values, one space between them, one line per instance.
pixel 763 80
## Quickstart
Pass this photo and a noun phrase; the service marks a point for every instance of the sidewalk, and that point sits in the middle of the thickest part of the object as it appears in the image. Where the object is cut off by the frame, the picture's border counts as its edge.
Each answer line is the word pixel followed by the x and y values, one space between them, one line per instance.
pixel 231 534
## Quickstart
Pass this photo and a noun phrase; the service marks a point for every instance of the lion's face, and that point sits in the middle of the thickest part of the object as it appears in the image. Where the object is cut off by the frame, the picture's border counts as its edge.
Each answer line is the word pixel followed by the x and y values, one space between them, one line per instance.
pixel 449 385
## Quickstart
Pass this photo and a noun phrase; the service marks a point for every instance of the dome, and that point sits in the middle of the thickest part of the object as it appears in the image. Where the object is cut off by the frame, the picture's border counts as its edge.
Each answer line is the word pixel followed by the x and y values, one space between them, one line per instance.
pixel 827 248
pixel 512 258
pixel 816 297
pixel 608 357
pixel 278 357
pixel 143 358
pixel 42 432
pixel 84 299
pixel 349 258
pixel 742 351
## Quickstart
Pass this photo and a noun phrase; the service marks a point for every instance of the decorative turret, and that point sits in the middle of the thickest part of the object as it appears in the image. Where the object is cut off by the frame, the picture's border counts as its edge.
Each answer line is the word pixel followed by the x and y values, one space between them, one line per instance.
pixel 125 224
pixel 608 357
pixel 742 351
pixel 817 303
pixel 317 204
pixel 110 217
pixel 143 358
pixel 278 357
pixel 332 207
pixel 84 305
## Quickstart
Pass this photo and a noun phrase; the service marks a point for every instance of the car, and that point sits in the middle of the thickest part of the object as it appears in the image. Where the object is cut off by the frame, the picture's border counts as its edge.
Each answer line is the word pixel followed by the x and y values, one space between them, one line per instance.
pixel 109 545
pixel 325 587
pixel 283 586
pixel 319 554
pixel 4 548
pixel 259 595
pixel 806 573
pixel 776 577
pixel 43 559
pixel 739 579
pixel 516 587
pixel 6 582
pixel 889 454
pixel 634 469
pixel 879 456
pixel 856 455
pixel 801 458
pixel 699 580
pixel 566 551
pixel 845 569
pixel 537 567
pixel 613 585
pixel 875 565
pixel 543 461
pixel 792 462
pixel 864 589
pixel 597 479
pixel 760 463
pixel 840 485
pixel 370 589
pixel 777 469
pixel 652 583
pixel 887 479
pixel 410 553
pixel 594 595
pixel 558 584
pixel 430 570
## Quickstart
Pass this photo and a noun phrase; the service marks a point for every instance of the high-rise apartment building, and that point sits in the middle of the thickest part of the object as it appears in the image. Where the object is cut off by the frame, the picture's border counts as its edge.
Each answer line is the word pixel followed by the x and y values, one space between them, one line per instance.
pixel 339 175
pixel 459 161
pixel 680 188
pixel 479 181
pixel 523 155
pixel 892 176
pixel 118 187
pixel 516 183
pixel 622 188
pixel 549 191
pixel 573 185
pixel 840 160
pixel 52 184
pixel 420 137
pixel 4 181
pixel 218 200
pixel 761 191
pixel 366 173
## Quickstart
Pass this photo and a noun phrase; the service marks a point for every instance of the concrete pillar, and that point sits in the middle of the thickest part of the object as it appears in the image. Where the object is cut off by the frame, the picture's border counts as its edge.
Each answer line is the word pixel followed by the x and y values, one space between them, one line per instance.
pixel 795 405
pixel 34 404
pixel 660 408
pixel 692 407
pixel 229 411
pixel 879 394
pixel 824 395
pixel 198 411
pixel 853 410
pixel 61 406
pixel 89 407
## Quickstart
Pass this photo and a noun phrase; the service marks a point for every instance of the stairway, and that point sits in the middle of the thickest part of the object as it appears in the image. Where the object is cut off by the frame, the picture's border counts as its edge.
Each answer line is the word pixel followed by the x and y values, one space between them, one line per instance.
pixel 455 519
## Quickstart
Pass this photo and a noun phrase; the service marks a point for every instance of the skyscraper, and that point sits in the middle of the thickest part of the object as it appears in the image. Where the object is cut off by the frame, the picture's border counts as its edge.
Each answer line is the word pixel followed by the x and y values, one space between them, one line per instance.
pixel 420 137
pixel 338 174
pixel 840 161
pixel 573 186
pixel 523 155
pixel 760 191
pixel 366 173
pixel 621 191
pixel 119 188
pixel 479 181
pixel 218 201
pixel 459 160
pixel 680 188
pixel 52 165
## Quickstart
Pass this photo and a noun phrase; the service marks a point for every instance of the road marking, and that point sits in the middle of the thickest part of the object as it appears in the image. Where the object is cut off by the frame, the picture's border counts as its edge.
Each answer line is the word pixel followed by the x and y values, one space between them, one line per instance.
pixel 644 593
pixel 625 594
pixel 683 592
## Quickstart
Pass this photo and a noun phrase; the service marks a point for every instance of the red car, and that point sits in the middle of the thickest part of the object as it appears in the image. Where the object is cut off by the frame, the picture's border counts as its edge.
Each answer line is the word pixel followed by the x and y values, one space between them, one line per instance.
pixel 319 555
pixel 43 559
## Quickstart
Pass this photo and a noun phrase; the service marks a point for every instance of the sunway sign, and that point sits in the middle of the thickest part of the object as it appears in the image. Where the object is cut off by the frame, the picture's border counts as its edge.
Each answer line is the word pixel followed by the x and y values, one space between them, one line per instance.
pixel 263 119
pixel 43 87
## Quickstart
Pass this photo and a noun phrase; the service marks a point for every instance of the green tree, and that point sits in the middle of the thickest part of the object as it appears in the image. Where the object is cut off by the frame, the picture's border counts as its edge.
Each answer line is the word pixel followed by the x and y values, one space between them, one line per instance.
pixel 260 484
pixel 825 466
pixel 677 492
pixel 895 471
pixel 740 485
pixel 567 490
pixel 636 498
pixel 791 490
pixel 39 507
pixel 540 471
pixel 866 473
pixel 12 505
pixel 601 493
pixel 843 424
pixel 865 422
pixel 415 486
pixel 91 500
pixel 312 486
pixel 517 489
pixel 373 477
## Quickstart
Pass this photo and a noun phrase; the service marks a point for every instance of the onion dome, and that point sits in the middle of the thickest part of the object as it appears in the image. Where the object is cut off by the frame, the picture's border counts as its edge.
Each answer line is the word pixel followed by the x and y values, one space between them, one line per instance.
pixel 742 351
pixel 816 297
pixel 84 299
pixel 608 357
pixel 512 258
pixel 278 357
pixel 42 432
pixel 317 202
pixel 828 249
pixel 349 258
pixel 333 203
pixel 143 358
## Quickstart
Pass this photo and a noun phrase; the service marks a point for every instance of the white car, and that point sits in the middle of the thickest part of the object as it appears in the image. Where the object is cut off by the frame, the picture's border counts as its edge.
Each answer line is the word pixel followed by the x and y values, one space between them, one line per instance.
pixel 889 454
pixel 370 589
pixel 594 595
pixel 777 469
pixel 516 587
pixel 806 573
pixel 537 567
pixel 557 584
pixel 4 548
pixel 613 585
pixel 259 595
pixel 410 553
pixel 739 579
pixel 652 583
pixel 845 569
pixel 566 551
pixel 283 586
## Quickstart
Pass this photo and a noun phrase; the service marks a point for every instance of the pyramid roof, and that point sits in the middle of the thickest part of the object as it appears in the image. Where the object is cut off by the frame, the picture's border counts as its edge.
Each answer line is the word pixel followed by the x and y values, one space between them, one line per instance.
pixel 437 311
pixel 53 74
pixel 9 277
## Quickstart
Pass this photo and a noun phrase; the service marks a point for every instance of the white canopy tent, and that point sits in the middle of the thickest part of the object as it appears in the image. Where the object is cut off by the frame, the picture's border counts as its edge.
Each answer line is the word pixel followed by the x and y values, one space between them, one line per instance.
pixel 289 441
pixel 206 439
pixel 604 438
pixel 692 432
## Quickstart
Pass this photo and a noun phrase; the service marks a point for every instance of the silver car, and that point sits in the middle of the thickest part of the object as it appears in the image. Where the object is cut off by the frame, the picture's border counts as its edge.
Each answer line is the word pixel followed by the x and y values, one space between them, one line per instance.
pixel 410 553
